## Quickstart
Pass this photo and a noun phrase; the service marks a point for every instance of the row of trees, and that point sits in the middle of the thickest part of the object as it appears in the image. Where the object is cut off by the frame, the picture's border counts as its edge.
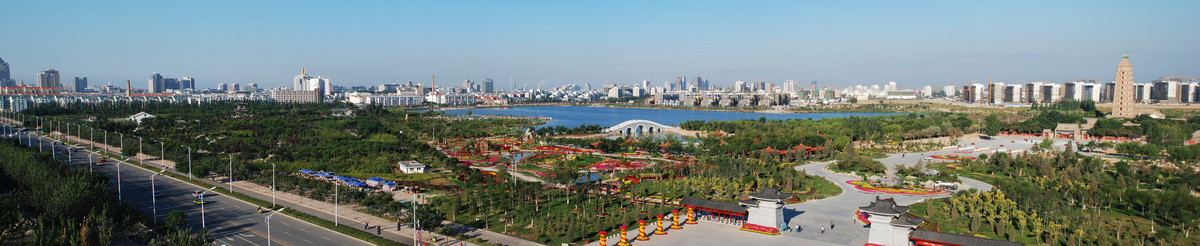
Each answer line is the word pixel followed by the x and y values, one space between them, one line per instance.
pixel 50 203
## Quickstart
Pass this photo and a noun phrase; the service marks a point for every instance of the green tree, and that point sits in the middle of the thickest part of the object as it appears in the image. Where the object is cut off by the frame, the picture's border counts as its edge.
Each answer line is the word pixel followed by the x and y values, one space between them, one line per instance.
pixel 992 125
pixel 176 219
pixel 129 150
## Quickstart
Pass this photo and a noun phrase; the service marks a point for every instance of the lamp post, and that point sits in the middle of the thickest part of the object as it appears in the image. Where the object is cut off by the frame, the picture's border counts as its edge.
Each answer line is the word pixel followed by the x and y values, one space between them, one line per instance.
pixel 335 204
pixel 122 150
pixel 190 175
pixel 153 196
pixel 119 168
pixel 272 184
pixel 230 173
pixel 141 160
pixel 268 220
pixel 201 198
pixel 162 152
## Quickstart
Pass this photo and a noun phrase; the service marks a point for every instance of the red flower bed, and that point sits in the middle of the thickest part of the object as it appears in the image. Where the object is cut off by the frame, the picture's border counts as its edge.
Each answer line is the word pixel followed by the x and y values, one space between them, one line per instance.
pixel 558 148
pixel 760 229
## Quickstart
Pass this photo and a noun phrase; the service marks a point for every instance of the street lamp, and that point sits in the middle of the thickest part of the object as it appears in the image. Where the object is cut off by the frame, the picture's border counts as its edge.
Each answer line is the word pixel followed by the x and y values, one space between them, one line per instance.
pixel 190 175
pixel 141 160
pixel 153 197
pixel 272 184
pixel 335 203
pixel 230 173
pixel 201 197
pixel 268 220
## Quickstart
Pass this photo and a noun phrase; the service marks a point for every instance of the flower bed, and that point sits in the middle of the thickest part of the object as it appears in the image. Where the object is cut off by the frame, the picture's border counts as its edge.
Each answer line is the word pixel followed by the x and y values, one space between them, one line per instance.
pixel 868 187
pixel 760 229
pixel 861 217
pixel 558 148
pixel 952 157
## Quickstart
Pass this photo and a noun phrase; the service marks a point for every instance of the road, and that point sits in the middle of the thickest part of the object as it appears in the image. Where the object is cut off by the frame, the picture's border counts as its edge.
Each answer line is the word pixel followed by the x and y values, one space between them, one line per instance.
pixel 230 221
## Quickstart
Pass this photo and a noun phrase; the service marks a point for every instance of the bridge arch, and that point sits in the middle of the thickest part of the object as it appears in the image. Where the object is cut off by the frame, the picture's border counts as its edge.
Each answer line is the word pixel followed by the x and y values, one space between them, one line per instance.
pixel 630 127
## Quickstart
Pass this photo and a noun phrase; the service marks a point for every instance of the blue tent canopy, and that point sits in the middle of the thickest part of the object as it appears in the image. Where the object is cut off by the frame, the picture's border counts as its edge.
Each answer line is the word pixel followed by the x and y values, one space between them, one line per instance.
pixel 306 171
pixel 356 183
pixel 324 174
pixel 390 183
pixel 376 179
pixel 346 179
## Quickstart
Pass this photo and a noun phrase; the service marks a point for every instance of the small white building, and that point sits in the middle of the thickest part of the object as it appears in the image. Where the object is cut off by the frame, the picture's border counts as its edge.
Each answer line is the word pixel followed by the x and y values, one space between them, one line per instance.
pixel 411 167
pixel 766 208
pixel 140 116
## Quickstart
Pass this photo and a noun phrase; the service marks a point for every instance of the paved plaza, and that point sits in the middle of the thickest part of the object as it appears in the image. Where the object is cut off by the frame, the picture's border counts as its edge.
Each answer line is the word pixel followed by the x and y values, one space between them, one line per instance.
pixel 835 214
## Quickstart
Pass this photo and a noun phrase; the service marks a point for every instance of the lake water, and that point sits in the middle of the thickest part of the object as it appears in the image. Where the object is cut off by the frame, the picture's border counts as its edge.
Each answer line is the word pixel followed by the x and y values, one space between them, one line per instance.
pixel 573 116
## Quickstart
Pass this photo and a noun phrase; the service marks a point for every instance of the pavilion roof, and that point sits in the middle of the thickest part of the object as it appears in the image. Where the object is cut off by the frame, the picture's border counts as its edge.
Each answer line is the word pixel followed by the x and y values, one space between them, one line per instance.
pixel 884 206
pixel 771 193
pixel 714 205
pixel 907 220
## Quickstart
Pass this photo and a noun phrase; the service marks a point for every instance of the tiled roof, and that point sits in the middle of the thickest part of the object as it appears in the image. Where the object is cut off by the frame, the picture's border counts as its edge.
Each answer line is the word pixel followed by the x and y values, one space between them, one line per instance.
pixel 771 194
pixel 884 206
pixel 907 220
pixel 723 206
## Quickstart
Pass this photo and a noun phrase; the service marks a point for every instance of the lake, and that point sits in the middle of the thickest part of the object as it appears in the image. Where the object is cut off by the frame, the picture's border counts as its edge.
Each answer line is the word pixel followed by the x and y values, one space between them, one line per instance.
pixel 573 116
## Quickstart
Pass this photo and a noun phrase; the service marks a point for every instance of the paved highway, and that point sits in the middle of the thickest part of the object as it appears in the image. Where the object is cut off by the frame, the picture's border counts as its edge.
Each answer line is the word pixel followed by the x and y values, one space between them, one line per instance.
pixel 230 221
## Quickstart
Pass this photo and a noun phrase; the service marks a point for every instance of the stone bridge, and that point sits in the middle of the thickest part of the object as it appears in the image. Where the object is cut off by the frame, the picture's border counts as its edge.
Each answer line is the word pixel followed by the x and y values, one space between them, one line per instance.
pixel 639 126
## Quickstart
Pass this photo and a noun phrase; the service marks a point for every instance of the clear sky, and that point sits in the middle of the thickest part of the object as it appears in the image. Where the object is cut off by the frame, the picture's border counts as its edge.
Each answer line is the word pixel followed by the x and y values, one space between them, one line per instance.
pixel 838 43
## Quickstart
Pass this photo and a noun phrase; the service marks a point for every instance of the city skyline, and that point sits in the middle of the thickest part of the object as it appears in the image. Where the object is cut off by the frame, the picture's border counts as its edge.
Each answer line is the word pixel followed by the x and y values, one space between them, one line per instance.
pixel 836 44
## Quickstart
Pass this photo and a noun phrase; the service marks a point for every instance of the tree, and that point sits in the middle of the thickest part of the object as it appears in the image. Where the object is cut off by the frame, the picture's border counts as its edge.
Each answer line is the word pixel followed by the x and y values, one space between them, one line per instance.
pixel 992 125
pixel 129 150
pixel 429 217
pixel 176 219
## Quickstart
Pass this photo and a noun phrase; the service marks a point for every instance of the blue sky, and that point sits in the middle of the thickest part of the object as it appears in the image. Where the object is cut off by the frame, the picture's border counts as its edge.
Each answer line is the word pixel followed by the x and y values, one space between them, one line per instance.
pixel 841 43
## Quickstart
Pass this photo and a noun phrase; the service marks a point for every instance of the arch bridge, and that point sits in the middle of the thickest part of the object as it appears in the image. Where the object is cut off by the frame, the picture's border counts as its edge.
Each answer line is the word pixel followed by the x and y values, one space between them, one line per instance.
pixel 639 126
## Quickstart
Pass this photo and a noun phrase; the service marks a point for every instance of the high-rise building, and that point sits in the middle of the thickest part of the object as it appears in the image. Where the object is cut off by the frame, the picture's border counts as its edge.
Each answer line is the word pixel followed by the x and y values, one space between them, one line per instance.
pixel 80 84
pixel 235 87
pixel 159 84
pixel 49 78
pixel 468 85
pixel 489 86
pixel 155 83
pixel 222 87
pixel 5 74
pixel 700 83
pixel 1123 105
pixel 303 82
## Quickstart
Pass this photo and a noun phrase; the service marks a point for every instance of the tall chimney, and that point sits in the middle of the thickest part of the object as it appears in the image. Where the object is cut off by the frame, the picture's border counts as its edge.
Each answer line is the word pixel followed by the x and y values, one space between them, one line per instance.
pixel 128 89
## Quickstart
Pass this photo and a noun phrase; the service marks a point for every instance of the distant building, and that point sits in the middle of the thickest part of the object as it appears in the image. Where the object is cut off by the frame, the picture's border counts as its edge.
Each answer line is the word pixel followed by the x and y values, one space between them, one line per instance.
pixel 159 84
pixel 303 82
pixel 489 86
pixel 235 87
pixel 451 99
pixel 222 87
pixel 313 96
pixel 1123 103
pixel 49 78
pixel 410 167
pixel 410 99
pixel 6 75
pixel 80 84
